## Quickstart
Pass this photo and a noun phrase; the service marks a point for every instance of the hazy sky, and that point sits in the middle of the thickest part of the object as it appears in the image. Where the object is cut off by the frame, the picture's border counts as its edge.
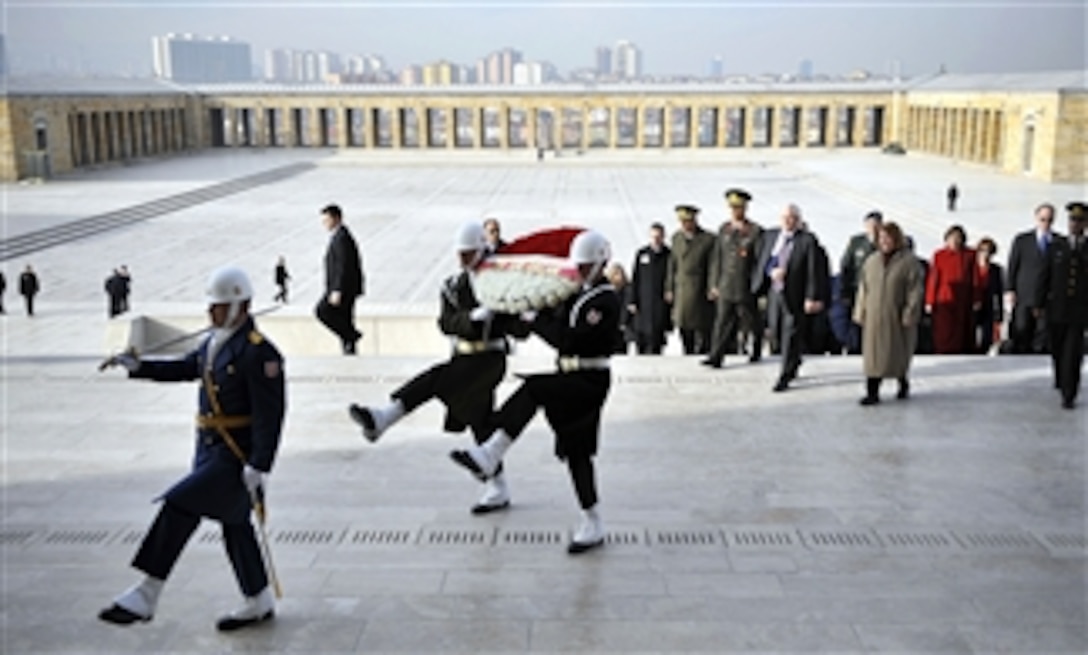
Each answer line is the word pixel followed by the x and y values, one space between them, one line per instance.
pixel 676 37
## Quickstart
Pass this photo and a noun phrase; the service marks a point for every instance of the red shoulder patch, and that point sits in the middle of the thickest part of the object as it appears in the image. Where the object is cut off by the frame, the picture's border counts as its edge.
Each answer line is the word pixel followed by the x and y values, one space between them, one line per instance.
pixel 272 369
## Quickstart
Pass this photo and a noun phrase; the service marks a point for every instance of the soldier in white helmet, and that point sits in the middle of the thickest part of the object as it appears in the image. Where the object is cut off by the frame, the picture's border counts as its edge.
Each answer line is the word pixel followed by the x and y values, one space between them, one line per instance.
pixel 241 409
pixel 466 382
pixel 584 331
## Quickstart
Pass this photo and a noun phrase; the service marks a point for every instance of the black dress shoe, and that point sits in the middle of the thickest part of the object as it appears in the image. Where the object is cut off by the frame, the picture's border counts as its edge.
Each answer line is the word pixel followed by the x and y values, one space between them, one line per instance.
pixel 482 509
pixel 231 623
pixel 711 363
pixel 364 418
pixel 349 347
pixel 577 547
pixel 465 460
pixel 1067 404
pixel 904 391
pixel 118 615
pixel 869 400
pixel 754 359
pixel 781 385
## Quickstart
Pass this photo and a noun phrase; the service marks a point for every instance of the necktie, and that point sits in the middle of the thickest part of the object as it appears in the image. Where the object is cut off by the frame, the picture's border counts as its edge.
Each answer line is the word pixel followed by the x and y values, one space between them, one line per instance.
pixel 1043 242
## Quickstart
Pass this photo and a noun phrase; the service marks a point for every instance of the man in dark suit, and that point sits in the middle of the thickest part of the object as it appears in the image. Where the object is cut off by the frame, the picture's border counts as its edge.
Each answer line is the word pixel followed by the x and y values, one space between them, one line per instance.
pixel 343 281
pixel 29 287
pixel 493 232
pixel 1063 299
pixel 650 314
pixel 1027 256
pixel 788 271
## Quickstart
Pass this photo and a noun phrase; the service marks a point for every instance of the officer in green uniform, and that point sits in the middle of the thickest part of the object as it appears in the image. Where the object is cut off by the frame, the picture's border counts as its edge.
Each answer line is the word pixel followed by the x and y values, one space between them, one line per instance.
pixel 1063 299
pixel 853 261
pixel 732 263
pixel 685 281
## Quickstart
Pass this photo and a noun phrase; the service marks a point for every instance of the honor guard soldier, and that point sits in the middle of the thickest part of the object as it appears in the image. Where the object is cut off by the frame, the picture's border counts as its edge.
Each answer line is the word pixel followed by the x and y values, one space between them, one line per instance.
pixel 466 383
pixel 583 331
pixel 241 408
pixel 729 282
pixel 1063 300
pixel 850 268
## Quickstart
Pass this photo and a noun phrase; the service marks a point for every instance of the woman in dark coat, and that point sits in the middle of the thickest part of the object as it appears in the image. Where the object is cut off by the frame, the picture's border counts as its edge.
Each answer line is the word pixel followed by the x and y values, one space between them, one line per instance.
pixel 991 281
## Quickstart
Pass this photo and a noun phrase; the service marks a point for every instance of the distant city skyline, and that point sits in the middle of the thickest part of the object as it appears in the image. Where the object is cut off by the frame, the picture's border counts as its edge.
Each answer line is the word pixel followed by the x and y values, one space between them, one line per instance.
pixel 674 39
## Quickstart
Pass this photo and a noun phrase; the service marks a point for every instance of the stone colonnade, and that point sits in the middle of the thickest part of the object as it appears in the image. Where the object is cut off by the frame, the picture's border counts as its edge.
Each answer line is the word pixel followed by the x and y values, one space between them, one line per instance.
pixel 966 134
pixel 550 123
pixel 98 136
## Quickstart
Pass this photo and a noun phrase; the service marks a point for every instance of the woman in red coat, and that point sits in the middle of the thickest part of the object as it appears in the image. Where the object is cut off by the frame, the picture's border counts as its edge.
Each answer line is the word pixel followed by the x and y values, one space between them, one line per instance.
pixel 953 295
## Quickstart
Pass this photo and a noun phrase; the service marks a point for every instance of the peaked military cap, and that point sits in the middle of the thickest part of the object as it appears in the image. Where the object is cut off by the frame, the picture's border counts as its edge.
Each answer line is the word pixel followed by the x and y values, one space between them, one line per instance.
pixel 686 212
pixel 737 196
pixel 1077 210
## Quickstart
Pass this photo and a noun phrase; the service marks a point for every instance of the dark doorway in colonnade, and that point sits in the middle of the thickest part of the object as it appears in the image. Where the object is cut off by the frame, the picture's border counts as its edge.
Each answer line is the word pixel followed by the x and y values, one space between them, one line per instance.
pixel 789 127
pixel 706 127
pixel 464 128
pixel 245 128
pixel 626 127
pixel 298 126
pixel 107 120
pixel 679 127
pixel 491 127
pixel 96 139
pixel 653 127
pixel 271 126
pixel 762 124
pixel 517 128
pixel 844 126
pixel 546 122
pixel 410 128
pixel 82 139
pixel 353 123
pixel 436 128
pixel 600 127
pixel 815 126
pixel 734 127
pixel 570 128
pixel 326 126
pixel 381 126
pixel 216 129
pixel 874 126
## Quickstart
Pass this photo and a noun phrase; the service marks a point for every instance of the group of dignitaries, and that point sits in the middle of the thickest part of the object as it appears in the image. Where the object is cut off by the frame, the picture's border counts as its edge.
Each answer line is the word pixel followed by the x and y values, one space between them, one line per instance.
pixel 725 290
pixel 242 395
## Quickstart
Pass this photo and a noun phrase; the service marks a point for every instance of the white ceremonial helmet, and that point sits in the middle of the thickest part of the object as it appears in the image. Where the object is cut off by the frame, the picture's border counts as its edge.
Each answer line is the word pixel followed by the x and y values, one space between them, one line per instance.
pixel 471 238
pixel 229 284
pixel 590 247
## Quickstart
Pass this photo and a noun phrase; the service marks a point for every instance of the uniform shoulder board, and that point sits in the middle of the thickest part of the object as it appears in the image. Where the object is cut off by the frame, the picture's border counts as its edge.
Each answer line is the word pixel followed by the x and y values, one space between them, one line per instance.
pixel 255 337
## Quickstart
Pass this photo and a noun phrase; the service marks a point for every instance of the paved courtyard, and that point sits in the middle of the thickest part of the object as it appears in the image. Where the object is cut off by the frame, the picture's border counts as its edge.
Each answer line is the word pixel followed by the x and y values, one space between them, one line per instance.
pixel 740 520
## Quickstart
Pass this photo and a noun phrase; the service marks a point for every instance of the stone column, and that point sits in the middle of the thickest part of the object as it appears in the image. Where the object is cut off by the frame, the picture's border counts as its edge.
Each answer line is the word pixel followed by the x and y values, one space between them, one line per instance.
pixel 858 137
pixel 504 126
pixel 640 126
pixel 477 126
pixel 749 125
pixel 586 112
pixel 451 127
pixel 694 124
pixel 613 127
pixel 775 140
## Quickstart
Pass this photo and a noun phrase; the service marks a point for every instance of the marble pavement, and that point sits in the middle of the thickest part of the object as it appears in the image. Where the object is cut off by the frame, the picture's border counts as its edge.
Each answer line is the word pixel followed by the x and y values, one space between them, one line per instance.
pixel 740 520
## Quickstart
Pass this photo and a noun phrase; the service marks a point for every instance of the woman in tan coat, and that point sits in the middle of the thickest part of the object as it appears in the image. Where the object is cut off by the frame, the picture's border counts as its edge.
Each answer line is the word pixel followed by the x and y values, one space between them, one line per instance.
pixel 888 308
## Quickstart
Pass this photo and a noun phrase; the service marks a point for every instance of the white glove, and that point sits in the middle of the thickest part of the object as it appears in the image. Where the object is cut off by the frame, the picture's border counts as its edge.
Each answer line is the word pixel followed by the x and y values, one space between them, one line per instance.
pixel 528 316
pixel 254 481
pixel 480 314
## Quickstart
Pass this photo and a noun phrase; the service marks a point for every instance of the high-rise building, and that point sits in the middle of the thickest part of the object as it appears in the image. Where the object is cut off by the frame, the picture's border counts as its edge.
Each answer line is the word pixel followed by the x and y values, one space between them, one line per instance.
pixel 717 67
pixel 481 71
pixel 441 73
pixel 509 58
pixel 494 68
pixel 328 63
pixel 411 75
pixel 805 70
pixel 604 61
pixel 627 60
pixel 277 65
pixel 529 73
pixel 187 58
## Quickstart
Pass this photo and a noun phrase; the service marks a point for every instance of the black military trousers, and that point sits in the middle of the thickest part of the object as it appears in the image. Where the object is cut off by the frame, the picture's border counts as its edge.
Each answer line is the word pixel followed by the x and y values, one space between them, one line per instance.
pixel 733 316
pixel 650 343
pixel 339 318
pixel 1028 333
pixel 465 384
pixel 172 529
pixel 1067 343
pixel 789 330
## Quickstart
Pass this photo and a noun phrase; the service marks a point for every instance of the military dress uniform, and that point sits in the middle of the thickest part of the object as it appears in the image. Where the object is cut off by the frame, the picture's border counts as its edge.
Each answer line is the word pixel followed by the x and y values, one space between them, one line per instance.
pixel 466 383
pixel 731 265
pixel 1063 296
pixel 689 262
pixel 242 391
